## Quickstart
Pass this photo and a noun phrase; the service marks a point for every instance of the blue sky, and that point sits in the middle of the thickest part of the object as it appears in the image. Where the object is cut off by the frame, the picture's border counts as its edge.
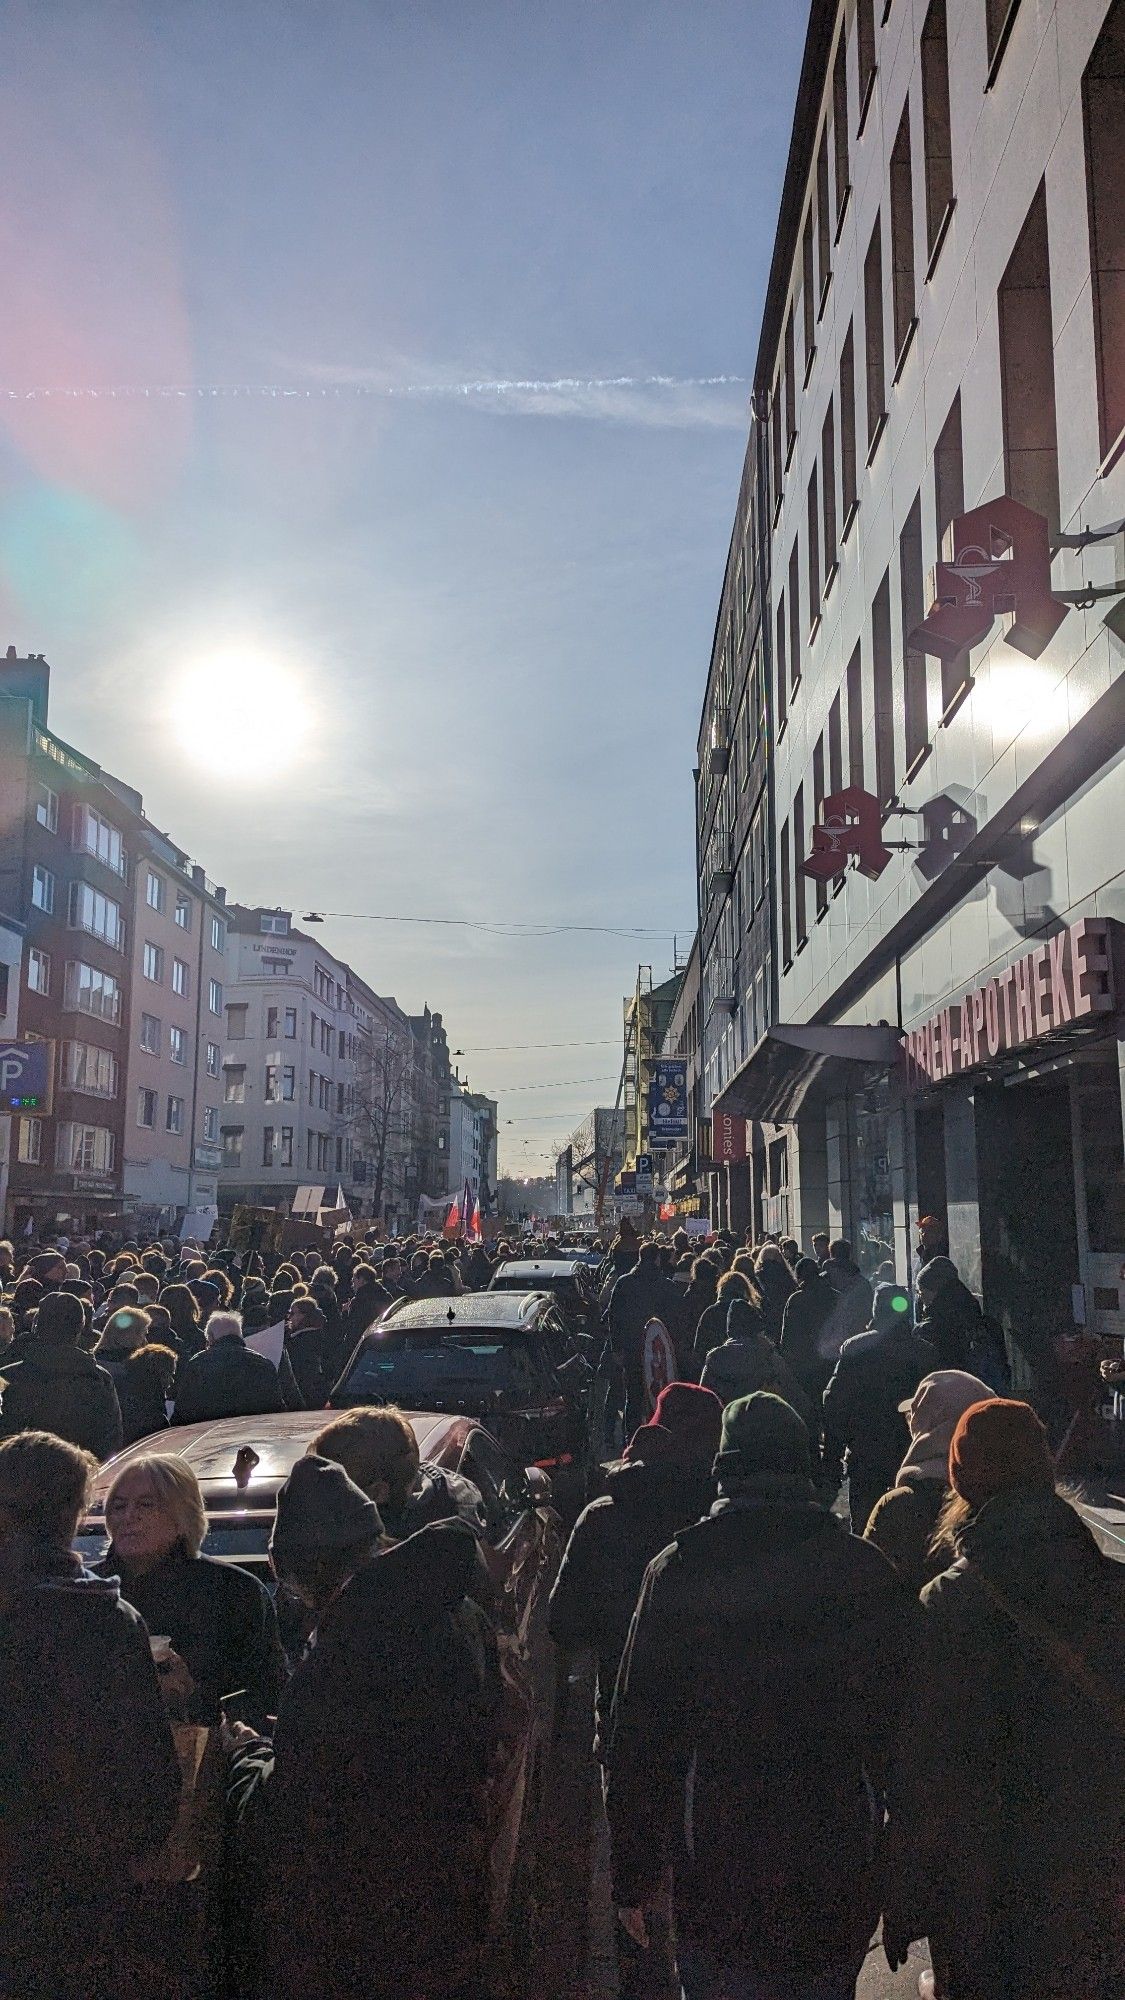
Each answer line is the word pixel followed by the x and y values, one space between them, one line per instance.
pixel 491 605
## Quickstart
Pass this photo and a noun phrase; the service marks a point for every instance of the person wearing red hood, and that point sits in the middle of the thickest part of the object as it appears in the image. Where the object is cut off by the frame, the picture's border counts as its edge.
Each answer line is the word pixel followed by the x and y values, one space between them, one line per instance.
pixel 1007 1820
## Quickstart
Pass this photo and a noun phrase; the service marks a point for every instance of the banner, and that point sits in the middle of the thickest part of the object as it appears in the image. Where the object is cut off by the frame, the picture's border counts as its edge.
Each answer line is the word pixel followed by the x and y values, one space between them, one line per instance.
pixel 667 1101
pixel 728 1138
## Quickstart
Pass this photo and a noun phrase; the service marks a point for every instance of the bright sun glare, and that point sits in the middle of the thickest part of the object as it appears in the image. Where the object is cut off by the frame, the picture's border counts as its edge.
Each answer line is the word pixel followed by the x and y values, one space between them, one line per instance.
pixel 240 711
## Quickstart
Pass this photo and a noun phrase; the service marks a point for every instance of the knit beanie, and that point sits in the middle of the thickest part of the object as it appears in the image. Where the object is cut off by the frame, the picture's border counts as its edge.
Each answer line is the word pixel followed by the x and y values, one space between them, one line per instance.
pixel 690 1419
pixel 890 1307
pixel 763 1437
pixel 320 1509
pixel 935 1275
pixel 996 1445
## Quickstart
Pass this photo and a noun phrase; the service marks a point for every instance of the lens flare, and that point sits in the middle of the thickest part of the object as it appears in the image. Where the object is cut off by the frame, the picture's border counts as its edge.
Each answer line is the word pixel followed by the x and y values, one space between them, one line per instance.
pixel 237 711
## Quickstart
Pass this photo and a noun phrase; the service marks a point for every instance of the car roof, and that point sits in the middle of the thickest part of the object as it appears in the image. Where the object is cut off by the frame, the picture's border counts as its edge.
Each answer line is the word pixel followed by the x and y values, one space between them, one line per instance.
pixel 279 1439
pixel 498 1310
pixel 530 1269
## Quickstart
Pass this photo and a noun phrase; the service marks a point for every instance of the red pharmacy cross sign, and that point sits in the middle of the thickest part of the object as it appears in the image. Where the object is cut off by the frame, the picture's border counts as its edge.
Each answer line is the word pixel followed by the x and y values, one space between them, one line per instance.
pixel 996 563
pixel 851 823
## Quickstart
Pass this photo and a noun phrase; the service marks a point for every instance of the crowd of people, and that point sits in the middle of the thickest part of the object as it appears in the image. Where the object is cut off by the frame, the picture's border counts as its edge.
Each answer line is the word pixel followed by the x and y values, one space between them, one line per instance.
pixel 808 1723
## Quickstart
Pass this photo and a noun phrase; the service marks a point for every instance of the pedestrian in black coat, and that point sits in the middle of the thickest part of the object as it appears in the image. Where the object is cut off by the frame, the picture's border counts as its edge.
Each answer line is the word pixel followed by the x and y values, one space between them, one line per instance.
pixel 56 1386
pixel 810 1354
pixel 137 1377
pixel 712 1328
pixel 748 1360
pixel 228 1379
pixel 639 1295
pixel 949 1315
pixel 877 1372
pixel 854 1295
pixel 776 1283
pixel 755 1712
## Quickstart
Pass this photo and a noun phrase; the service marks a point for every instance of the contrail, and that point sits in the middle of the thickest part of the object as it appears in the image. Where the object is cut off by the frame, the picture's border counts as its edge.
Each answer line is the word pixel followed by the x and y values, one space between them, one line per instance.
pixel 483 391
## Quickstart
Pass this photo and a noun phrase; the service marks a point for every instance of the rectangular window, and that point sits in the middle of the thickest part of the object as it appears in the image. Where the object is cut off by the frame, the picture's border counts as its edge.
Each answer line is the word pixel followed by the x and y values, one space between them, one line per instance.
pixel 84 1149
pixel 310 1148
pixel 949 472
pixel 180 977
pixel 146 1109
pixel 823 217
pixel 818 801
pixel 775 443
pixel 267 1145
pixel 794 619
pixel 855 719
pixel 873 330
pixel 937 136
pixel 88 991
pixel 94 835
pixel 313 1024
pixel 313 1080
pixel 849 486
pixel 882 675
pixel 286 1146
pixel 150 1034
pixel 343 1041
pixel 273 1084
pixel 828 482
pixel 1027 370
pixel 215 998
pixel 800 881
pixel 288 1083
pixel 218 934
pixel 835 746
pixel 1103 116
pixel 210 1124
pixel 808 286
pixel 999 16
pixel 274 923
pixel 272 1020
pixel 915 702
pixel 89 1069
pixel 177 1045
pixel 865 47
pixel 234 1083
pixel 43 889
pixel 232 1145
pixel 38 971
pixel 214 1059
pixel 902 236
pixel 786 899
pixel 290 1024
pixel 183 912
pixel 174 1118
pixel 99 915
pixel 790 385
pixel 47 808
pixel 31 1142
pixel 154 891
pixel 339 1156
pixel 814 549
pixel 840 123
pixel 152 962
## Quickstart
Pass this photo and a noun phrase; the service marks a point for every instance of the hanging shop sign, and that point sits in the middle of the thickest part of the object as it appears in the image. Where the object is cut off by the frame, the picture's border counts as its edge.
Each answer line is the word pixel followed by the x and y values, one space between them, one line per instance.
pixel 996 563
pixel 1066 981
pixel 667 1101
pixel 850 824
pixel 728 1138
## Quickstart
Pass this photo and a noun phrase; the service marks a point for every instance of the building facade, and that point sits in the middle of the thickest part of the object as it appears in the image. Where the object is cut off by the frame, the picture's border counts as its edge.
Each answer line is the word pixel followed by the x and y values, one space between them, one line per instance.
pixel 473 1125
pixel 940 433
pixel 589 1165
pixel 688 1170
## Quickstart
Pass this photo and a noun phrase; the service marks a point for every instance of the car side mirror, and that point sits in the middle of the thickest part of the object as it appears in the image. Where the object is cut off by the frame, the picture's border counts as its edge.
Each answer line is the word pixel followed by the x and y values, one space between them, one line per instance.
pixel 539 1488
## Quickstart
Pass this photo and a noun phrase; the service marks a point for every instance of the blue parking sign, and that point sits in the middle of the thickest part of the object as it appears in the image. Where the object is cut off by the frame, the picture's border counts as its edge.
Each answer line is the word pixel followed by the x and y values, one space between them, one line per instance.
pixel 25 1076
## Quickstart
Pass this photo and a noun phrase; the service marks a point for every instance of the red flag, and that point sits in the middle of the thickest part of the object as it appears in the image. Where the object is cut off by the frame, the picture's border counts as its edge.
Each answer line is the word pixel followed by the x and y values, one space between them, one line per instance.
pixel 451 1227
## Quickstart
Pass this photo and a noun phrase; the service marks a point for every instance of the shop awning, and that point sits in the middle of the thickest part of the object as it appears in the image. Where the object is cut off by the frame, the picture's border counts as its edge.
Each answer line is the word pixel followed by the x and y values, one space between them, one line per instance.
pixel 793 1067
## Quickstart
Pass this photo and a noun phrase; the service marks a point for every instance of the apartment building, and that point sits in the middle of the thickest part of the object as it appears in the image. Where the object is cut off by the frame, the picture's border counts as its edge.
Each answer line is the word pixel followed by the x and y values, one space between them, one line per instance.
pixel 589 1164
pixel 473 1124
pixel 939 459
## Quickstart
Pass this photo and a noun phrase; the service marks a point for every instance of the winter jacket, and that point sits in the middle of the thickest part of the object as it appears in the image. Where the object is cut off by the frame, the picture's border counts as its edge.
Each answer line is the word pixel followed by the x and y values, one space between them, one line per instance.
pixel 226 1380
pixel 140 1392
pixel 436 1495
pixel 304 1350
pixel 642 1294
pixel 747 1361
pixel 902 1524
pixel 221 1622
pixel 367 1813
pixel 361 1312
pixel 876 1372
pixel 755 1712
pixel 854 1299
pixel 61 1389
pixel 952 1322
pixel 711 1330
pixel 88 1770
pixel 1008 1812
pixel 777 1285
pixel 611 1545
pixel 811 1353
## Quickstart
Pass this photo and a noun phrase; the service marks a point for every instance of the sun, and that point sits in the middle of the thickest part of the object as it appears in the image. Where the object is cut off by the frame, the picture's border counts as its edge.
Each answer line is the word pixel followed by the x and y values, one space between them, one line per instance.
pixel 241 711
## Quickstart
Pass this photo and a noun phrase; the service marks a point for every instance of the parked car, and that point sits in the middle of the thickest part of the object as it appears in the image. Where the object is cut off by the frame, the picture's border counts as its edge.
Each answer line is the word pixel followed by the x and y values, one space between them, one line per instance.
pixel 567 1279
pixel 510 1359
pixel 242 1462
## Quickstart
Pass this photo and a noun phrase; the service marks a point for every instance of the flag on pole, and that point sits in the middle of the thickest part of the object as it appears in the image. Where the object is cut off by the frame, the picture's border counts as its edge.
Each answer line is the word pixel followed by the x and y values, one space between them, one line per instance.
pixel 473 1230
pixel 451 1227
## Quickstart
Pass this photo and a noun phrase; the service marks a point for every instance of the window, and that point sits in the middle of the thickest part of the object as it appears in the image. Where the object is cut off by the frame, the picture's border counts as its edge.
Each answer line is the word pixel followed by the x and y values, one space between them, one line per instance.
pixel 210 1124
pixel 823 218
pixel 215 999
pixel 775 442
pixel 849 489
pixel 218 934
pixel 236 1022
pixel 84 1149
pixel 146 1109
pixel 214 1059
pixel 800 881
pixel 286 1146
pixel 937 138
pixel 267 1145
pixel 310 1149
pixel 91 992
pixel 275 967
pixel 177 1045
pixel 1103 113
pixel 855 719
pixel 43 889
pixel 154 891
pixel 808 286
pixel 794 619
pixel 47 808
pixel 180 977
pixel 786 899
pixel 274 923
pixel 782 665
pixel 174 1117
pixel 790 386
pixel 183 912
pixel 99 915
pixel 873 329
pixel 38 971
pixel 818 801
pixel 828 482
pixel 89 1069
pixel 290 1024
pixel 865 47
pixel 94 835
pixel 1027 370
pixel 914 668
pixel 339 1100
pixel 234 1083
pixel 322 984
pixel 272 1018
pixel 150 1034
pixel 883 683
pixel 273 1084
pixel 31 1142
pixel 840 124
pixel 835 746
pixel 814 550
pixel 902 237
pixel 232 1145
pixel 288 1083
pixel 313 1022
pixel 152 962
pixel 949 472
pixel 999 17
pixel 313 1080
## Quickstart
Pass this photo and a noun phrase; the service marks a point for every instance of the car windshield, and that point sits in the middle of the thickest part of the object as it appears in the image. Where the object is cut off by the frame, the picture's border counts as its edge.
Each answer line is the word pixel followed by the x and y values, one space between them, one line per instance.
pixel 425 1369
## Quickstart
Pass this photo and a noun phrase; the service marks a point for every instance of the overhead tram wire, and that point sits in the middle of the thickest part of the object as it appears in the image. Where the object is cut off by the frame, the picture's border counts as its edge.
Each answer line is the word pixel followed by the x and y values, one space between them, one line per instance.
pixel 510 929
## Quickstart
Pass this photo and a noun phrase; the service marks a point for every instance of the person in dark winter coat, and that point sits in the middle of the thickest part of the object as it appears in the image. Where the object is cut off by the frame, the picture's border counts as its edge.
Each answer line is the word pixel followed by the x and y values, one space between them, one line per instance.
pixel 854 1296
pixel 304 1345
pixel 712 1328
pixel 754 1716
pixel 219 1618
pixel 904 1521
pixel 700 1294
pixel 949 1316
pixel 137 1377
pixel 877 1372
pixel 1007 1825
pixel 810 1354
pixel 776 1283
pixel 228 1379
pixel 748 1360
pixel 56 1386
pixel 664 1482
pixel 368 1300
pixel 183 1309
pixel 88 1768
pixel 379 1452
pixel 639 1295
pixel 436 1281
pixel 368 1811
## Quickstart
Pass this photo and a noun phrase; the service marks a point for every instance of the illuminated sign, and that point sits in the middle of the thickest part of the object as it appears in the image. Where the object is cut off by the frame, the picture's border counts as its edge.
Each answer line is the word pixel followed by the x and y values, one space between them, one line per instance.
pixel 728 1138
pixel 25 1076
pixel 1066 980
pixel 996 563
pixel 667 1101
pixel 850 824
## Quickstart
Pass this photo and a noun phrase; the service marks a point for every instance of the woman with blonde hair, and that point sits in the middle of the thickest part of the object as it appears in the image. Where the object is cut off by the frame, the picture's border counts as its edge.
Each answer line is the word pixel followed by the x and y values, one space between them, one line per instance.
pixel 219 1620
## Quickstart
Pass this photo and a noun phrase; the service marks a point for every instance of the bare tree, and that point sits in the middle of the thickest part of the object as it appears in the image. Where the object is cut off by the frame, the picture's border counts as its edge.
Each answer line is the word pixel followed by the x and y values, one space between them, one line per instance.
pixel 382 1075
